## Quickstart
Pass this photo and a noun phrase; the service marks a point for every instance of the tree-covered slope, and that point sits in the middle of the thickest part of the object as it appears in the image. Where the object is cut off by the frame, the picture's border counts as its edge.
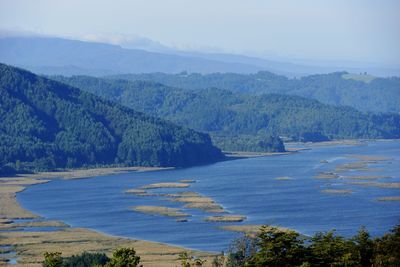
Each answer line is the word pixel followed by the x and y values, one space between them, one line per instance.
pixel 362 92
pixel 46 124
pixel 224 113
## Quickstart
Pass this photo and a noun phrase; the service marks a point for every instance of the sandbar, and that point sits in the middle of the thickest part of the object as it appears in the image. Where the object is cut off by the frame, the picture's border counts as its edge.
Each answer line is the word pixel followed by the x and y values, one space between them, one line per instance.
pixel 187 181
pixel 195 200
pixel 369 157
pixel 326 175
pixel 283 178
pixel 367 177
pixel 337 191
pixel 165 185
pixel 376 184
pixel 359 166
pixel 161 210
pixel 226 218
pixel 394 198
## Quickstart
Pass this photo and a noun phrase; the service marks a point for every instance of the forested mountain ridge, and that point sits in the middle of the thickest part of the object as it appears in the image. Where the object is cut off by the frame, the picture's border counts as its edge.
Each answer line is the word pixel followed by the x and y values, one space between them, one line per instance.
pixel 226 114
pixel 363 92
pixel 46 124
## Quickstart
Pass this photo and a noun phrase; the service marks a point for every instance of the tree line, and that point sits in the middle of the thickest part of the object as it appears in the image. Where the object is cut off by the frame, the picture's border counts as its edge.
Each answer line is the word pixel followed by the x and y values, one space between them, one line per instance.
pixel 271 247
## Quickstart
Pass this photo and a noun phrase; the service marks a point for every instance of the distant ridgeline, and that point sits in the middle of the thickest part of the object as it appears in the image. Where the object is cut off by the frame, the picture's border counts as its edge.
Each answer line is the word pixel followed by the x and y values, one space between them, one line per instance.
pixel 239 121
pixel 46 124
pixel 361 91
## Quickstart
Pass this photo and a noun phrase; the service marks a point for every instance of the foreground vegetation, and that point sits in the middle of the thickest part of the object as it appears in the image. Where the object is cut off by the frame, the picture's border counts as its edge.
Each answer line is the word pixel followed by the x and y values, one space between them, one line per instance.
pixel 270 247
pixel 46 124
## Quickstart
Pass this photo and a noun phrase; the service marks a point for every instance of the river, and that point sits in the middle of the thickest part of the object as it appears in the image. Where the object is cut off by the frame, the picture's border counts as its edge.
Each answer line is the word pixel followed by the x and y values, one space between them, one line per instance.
pixel 245 186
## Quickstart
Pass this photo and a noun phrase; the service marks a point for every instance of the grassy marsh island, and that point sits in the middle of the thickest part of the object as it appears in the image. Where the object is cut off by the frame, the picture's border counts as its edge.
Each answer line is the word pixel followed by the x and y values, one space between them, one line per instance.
pixel 161 210
pixel 135 191
pixel 356 166
pixel 326 175
pixel 205 206
pixel 283 178
pixel 367 177
pixel 139 192
pixel 376 184
pixel 369 157
pixel 393 198
pixel 165 185
pixel 188 181
pixel 362 163
pixel 195 200
pixel 337 191
pixel 226 218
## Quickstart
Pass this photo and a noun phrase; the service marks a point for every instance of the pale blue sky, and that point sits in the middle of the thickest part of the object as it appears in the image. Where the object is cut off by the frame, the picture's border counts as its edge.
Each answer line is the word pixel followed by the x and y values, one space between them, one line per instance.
pixel 354 30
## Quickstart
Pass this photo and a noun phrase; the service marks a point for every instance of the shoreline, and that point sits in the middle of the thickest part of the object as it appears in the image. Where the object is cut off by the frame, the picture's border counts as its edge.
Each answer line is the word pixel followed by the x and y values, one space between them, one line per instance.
pixel 152 253
pixel 29 245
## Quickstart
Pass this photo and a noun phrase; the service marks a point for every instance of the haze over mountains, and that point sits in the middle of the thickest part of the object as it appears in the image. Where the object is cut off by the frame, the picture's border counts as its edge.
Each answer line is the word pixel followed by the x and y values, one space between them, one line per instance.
pixel 233 98
pixel 48 55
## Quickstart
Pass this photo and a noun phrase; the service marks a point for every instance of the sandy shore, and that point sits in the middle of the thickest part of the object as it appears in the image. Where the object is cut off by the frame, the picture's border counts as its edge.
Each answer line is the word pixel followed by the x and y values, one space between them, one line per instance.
pixel 29 246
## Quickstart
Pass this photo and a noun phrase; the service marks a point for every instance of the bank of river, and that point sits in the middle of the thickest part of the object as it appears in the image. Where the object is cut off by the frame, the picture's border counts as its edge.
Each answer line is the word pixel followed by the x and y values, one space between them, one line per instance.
pixel 252 188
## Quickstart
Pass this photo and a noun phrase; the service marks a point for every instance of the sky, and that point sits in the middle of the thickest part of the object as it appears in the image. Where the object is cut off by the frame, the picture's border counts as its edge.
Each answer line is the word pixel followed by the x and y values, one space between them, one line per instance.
pixel 339 30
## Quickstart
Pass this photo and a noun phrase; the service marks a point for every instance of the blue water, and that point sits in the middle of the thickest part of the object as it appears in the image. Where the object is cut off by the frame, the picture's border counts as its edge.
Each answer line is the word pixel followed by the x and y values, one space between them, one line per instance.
pixel 246 187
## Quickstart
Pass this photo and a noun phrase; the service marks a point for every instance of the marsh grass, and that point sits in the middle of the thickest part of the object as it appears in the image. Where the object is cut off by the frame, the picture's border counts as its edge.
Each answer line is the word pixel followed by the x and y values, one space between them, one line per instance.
pixel 165 185
pixel 337 191
pixel 226 218
pixel 161 210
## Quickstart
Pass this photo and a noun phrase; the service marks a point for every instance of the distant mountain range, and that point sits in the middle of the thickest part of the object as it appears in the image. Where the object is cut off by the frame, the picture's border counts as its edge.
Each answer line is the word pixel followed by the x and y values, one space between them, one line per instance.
pixel 47 55
pixel 47 124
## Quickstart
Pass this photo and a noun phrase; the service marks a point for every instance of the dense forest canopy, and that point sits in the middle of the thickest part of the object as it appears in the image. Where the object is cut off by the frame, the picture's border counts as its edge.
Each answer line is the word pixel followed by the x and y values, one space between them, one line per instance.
pixel 224 113
pixel 362 91
pixel 46 124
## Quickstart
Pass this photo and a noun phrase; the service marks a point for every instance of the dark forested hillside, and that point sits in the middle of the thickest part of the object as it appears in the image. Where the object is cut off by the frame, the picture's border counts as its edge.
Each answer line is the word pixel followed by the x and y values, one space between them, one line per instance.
pixel 363 92
pixel 45 124
pixel 246 119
